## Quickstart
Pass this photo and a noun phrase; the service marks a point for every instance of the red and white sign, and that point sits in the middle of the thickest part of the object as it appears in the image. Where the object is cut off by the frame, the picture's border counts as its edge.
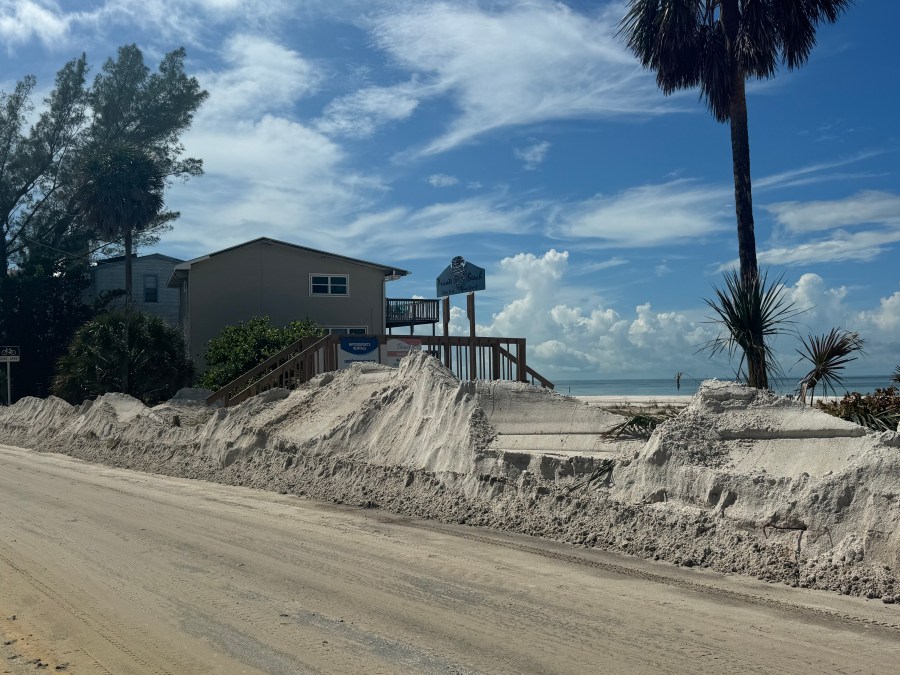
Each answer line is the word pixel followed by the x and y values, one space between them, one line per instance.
pixel 395 349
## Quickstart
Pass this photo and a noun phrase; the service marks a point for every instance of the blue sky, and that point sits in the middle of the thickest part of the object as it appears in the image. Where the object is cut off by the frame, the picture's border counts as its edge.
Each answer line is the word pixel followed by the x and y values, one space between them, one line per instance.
pixel 524 137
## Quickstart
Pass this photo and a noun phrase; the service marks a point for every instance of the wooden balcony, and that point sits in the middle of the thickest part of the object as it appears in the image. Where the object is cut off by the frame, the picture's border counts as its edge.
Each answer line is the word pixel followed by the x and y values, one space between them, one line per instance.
pixel 400 312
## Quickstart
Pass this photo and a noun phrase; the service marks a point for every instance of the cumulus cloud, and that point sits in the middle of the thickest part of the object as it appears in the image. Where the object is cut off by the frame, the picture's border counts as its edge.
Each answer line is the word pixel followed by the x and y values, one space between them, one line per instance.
pixel 442 180
pixel 573 334
pixel 533 155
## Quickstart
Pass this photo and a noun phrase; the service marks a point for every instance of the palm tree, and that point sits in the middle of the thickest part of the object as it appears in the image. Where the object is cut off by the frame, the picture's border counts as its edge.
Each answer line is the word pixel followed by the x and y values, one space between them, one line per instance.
pixel 92 364
pixel 120 192
pixel 827 354
pixel 716 45
pixel 896 376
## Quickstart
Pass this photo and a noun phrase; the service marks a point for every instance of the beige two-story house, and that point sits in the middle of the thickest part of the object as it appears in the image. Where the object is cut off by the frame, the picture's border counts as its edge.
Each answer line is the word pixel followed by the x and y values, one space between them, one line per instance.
pixel 286 282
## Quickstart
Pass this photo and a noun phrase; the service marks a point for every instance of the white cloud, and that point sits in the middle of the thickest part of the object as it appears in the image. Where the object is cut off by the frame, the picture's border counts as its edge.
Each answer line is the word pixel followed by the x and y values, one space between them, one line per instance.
pixel 865 207
pixel 358 115
pixel 440 180
pixel 533 155
pixel 21 21
pixel 649 215
pixel 840 247
pixel 576 335
pixel 261 77
pixel 514 64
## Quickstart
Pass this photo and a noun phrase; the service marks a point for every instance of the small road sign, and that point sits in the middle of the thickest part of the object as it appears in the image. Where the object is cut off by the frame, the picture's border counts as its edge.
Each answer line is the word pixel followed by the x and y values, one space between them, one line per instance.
pixel 10 354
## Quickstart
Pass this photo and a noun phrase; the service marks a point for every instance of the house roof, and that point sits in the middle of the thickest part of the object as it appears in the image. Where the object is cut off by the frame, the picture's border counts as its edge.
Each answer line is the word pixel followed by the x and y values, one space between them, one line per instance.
pixel 155 256
pixel 182 270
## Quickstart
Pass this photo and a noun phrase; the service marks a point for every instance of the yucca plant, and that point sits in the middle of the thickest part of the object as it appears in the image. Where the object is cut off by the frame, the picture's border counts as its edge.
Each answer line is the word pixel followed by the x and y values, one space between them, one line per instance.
pixel 827 356
pixel 750 312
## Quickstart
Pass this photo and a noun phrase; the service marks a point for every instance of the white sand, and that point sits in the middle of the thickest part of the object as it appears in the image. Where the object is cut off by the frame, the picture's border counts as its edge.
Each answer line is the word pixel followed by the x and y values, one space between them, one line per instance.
pixel 740 480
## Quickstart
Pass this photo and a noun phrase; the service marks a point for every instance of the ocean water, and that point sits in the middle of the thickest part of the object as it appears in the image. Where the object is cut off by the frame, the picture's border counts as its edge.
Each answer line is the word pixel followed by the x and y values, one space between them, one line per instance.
pixel 689 386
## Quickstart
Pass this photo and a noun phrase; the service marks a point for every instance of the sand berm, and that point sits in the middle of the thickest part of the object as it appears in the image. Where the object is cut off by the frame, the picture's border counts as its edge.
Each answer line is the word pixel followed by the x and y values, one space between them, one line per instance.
pixel 741 481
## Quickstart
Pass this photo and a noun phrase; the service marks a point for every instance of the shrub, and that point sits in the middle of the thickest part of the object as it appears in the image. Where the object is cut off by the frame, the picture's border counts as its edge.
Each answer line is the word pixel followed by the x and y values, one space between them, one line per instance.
pixel 879 411
pixel 245 345
pixel 158 366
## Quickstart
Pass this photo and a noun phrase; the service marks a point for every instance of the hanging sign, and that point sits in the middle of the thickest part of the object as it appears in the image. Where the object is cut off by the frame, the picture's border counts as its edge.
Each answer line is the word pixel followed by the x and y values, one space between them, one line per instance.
pixel 460 277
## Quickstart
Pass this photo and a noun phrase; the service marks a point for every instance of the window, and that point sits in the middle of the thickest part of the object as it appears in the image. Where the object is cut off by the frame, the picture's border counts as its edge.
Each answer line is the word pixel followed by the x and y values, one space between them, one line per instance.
pixel 346 330
pixel 151 288
pixel 329 284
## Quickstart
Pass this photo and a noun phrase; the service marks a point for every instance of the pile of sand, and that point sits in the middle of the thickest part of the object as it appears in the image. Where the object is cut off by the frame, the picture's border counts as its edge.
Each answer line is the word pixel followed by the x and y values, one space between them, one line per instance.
pixel 741 481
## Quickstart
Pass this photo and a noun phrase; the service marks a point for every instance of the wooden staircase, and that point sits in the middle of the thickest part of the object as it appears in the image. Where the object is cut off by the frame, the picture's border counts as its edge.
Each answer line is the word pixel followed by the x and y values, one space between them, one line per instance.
pixel 479 358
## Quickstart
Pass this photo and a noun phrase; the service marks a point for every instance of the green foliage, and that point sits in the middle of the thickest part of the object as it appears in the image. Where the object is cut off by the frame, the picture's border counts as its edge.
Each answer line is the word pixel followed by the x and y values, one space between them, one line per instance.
pixel 39 166
pixel 749 312
pixel 157 363
pixel 40 311
pixel 827 356
pixel 691 43
pixel 879 411
pixel 241 347
pixel 896 375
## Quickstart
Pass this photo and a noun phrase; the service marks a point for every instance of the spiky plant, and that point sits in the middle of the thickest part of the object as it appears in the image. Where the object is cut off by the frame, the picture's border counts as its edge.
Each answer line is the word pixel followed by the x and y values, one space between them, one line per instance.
pixel 749 312
pixel 827 355
pixel 896 377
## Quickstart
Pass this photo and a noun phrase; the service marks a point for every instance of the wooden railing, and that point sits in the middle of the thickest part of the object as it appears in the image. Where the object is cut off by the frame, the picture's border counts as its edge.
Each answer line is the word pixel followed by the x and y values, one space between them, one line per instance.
pixel 411 311
pixel 479 358
pixel 289 368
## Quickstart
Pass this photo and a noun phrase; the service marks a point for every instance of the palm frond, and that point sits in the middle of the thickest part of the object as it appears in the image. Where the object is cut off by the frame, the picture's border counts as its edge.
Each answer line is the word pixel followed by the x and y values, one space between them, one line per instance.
pixel 750 313
pixel 827 355
pixel 896 376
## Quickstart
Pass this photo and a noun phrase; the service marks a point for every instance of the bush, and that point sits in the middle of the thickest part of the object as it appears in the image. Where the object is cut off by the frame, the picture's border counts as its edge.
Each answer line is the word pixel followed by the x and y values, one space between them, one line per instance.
pixel 879 411
pixel 241 347
pixel 158 366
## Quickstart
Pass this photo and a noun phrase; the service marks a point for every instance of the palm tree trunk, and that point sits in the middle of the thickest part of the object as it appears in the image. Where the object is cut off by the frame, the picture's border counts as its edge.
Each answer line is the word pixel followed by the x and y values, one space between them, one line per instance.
pixel 127 355
pixel 743 193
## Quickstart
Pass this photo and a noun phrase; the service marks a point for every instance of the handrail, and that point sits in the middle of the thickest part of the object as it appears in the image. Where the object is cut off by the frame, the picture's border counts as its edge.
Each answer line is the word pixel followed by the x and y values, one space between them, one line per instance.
pixel 303 365
pixel 251 376
pixel 529 370
pixel 468 357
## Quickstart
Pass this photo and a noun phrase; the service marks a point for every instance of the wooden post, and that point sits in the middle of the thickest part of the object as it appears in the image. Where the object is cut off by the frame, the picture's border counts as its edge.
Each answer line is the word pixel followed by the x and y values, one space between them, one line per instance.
pixel 470 313
pixel 495 361
pixel 521 374
pixel 446 311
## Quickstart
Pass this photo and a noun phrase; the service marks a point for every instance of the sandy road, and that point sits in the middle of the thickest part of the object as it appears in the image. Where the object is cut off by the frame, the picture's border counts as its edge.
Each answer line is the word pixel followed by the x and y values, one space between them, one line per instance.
pixel 111 571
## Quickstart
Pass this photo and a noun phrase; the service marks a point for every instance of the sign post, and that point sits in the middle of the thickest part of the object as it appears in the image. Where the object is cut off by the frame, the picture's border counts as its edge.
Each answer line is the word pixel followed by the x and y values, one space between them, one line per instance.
pixel 9 354
pixel 461 277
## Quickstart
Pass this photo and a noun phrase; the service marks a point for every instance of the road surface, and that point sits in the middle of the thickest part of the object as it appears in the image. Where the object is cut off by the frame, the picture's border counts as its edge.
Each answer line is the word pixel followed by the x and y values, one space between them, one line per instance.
pixel 111 571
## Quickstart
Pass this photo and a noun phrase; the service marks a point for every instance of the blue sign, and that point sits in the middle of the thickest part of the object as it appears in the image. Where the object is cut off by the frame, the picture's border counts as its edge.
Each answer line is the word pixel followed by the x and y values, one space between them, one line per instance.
pixel 358 346
pixel 460 277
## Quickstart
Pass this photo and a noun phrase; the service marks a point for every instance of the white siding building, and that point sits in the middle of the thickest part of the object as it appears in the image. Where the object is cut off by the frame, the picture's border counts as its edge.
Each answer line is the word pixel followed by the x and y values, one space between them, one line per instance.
pixel 149 275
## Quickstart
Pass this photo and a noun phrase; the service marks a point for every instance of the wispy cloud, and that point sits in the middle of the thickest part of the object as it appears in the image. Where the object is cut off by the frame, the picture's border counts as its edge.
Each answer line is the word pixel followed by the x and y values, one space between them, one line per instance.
pixel 440 180
pixel 533 155
pixel 865 207
pixel 513 64
pixel 648 215
pixel 360 114
pixel 26 19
